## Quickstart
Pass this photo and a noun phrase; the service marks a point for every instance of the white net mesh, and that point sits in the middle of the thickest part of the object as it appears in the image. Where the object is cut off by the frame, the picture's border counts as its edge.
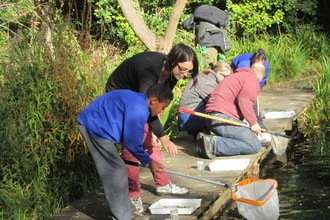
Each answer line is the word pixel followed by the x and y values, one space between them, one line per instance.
pixel 279 144
pixel 258 191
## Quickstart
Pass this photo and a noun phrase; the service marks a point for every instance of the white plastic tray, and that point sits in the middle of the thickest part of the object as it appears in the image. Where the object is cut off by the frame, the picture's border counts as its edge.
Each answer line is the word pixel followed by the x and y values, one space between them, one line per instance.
pixel 229 164
pixel 184 206
pixel 281 114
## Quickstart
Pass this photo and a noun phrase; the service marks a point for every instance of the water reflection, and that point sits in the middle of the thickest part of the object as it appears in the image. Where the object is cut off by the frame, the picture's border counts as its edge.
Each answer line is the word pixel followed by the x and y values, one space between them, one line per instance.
pixel 303 178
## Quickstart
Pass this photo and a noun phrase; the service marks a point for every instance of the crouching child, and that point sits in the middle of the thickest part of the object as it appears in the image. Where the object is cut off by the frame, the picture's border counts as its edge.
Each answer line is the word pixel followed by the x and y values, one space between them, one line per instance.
pixel 120 116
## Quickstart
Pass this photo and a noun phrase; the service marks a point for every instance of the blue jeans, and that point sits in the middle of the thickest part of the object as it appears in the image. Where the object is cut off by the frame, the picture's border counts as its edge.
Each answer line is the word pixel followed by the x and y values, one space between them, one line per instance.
pixel 232 139
pixel 191 123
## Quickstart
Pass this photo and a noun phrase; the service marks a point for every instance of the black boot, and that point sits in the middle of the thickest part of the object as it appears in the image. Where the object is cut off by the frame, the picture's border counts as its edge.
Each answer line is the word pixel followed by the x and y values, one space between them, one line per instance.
pixel 205 145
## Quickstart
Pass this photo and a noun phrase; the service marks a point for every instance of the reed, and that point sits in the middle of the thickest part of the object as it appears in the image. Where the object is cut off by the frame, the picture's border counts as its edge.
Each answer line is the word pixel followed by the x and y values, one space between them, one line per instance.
pixel 318 116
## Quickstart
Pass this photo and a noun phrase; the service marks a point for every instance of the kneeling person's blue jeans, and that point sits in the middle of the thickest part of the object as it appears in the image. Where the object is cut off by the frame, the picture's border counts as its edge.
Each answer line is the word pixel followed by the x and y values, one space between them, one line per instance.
pixel 232 139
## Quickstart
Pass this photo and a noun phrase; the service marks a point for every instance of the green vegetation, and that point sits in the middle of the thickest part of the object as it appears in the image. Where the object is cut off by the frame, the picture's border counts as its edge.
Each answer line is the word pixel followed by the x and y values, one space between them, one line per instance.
pixel 317 118
pixel 49 73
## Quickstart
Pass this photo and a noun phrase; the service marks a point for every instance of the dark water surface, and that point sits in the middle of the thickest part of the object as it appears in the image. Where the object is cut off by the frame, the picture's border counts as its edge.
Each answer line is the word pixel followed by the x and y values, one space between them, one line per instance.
pixel 303 175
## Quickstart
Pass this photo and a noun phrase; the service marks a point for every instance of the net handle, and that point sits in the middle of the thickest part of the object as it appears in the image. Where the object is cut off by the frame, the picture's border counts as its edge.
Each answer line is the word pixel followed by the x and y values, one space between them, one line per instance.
pixel 181 174
pixel 182 110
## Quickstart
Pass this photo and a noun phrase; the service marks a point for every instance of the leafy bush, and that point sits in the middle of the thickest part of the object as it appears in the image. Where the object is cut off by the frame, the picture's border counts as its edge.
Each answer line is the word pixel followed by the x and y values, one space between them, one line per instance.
pixel 252 17
pixel 45 165
pixel 299 12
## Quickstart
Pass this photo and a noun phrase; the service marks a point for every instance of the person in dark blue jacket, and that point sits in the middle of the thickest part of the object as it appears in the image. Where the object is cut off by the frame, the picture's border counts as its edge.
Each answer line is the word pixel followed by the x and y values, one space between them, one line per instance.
pixel 246 60
pixel 115 117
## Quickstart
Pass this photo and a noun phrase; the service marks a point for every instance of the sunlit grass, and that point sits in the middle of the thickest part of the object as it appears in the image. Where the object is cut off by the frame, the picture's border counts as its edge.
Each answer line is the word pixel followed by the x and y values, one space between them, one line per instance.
pixel 44 164
pixel 319 114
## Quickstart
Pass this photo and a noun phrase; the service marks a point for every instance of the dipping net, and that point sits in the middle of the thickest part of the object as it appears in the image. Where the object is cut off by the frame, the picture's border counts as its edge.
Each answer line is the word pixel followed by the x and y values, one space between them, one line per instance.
pixel 279 144
pixel 257 199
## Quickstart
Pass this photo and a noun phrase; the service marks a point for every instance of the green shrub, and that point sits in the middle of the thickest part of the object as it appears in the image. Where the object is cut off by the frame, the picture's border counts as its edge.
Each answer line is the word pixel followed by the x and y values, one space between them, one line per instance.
pixel 253 17
pixel 45 165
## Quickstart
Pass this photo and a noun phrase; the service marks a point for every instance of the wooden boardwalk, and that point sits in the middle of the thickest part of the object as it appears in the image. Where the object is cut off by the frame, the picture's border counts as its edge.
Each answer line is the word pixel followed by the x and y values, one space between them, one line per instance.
pixel 214 197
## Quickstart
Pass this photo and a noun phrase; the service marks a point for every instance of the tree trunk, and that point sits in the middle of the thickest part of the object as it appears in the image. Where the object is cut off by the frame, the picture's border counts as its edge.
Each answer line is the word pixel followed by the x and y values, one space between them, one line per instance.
pixel 166 44
pixel 138 25
pixel 144 34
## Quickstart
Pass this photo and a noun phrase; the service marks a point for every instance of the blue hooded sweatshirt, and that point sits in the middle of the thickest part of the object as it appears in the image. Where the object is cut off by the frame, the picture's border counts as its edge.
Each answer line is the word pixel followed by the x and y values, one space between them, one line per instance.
pixel 119 116
pixel 244 60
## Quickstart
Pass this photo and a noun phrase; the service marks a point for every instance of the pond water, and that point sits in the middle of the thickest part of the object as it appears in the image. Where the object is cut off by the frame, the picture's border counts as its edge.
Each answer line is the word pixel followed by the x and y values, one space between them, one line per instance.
pixel 303 175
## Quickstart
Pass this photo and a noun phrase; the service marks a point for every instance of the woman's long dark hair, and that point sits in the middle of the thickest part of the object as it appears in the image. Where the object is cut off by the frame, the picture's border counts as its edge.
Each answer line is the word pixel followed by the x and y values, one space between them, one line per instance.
pixel 181 53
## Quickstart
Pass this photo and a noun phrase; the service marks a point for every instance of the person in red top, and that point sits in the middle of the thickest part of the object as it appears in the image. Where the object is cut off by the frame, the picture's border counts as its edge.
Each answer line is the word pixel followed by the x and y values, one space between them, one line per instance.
pixel 233 99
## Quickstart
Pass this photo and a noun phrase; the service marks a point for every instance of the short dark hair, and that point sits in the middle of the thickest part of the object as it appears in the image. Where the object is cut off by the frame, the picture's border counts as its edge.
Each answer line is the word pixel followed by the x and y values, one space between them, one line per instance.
pixel 160 90
pixel 259 55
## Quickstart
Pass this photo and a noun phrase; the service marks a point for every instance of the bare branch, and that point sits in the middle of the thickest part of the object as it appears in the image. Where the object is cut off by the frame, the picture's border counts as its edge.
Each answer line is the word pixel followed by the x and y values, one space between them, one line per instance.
pixel 172 26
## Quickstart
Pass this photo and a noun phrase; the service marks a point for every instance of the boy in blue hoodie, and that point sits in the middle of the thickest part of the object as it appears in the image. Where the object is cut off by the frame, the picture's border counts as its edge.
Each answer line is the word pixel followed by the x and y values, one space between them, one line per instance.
pixel 115 117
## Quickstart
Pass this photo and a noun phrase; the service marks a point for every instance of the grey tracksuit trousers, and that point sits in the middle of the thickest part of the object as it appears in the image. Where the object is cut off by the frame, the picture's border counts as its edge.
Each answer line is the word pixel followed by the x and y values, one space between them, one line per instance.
pixel 113 174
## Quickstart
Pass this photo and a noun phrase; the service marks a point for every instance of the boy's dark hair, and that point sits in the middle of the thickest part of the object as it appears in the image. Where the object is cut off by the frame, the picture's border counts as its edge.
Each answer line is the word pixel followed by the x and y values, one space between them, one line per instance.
pixel 259 55
pixel 160 90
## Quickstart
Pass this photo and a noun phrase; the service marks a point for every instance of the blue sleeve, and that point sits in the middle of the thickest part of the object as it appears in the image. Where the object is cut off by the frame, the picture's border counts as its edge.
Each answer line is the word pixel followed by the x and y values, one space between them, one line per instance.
pixel 133 132
pixel 233 64
pixel 263 81
pixel 241 60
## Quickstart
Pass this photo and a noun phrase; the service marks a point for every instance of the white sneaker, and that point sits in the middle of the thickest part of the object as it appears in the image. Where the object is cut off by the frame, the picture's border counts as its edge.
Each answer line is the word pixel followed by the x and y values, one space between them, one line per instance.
pixel 138 204
pixel 172 189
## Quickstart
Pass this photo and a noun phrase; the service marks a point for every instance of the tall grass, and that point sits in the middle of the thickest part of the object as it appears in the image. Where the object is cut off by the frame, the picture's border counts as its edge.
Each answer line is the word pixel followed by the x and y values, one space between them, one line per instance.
pixel 318 116
pixel 287 55
pixel 44 162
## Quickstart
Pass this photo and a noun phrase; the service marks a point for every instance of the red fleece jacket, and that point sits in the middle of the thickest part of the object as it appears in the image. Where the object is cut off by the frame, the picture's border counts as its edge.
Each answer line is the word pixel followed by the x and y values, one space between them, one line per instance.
pixel 236 95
